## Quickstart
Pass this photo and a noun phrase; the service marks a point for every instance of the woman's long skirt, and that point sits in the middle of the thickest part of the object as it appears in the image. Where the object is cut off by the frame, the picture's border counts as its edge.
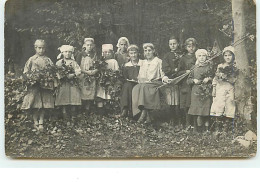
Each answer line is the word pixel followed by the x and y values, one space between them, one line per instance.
pixel 147 96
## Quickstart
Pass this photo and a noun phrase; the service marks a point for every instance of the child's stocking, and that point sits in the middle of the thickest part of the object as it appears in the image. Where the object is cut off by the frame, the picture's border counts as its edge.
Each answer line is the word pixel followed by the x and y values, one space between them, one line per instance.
pixel 64 112
pixel 35 117
pixel 200 123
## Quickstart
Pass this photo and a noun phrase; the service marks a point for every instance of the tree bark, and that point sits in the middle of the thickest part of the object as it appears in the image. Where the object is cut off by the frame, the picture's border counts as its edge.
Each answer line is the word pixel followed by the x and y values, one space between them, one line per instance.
pixel 242 86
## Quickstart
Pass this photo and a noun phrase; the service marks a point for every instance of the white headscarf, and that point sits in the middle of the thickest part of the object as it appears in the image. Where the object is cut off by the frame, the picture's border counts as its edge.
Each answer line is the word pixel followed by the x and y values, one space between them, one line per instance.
pixel 88 39
pixel 200 51
pixel 64 48
pixel 229 48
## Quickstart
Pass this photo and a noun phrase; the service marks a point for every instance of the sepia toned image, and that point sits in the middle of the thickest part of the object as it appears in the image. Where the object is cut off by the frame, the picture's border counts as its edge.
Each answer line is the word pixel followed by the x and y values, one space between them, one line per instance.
pixel 130 79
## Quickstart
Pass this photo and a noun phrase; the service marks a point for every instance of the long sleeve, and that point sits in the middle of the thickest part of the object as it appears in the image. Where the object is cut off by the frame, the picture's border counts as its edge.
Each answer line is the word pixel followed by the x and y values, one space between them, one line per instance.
pixel 181 68
pixel 78 58
pixel 116 66
pixel 162 74
pixel 190 78
pixel 215 80
pixel 28 66
pixel 166 66
pixel 76 68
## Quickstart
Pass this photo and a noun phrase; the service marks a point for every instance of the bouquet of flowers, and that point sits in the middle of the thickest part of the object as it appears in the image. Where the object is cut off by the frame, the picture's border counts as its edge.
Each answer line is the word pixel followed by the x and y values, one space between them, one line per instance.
pixel 62 74
pixel 45 78
pixel 205 89
pixel 100 66
pixel 227 73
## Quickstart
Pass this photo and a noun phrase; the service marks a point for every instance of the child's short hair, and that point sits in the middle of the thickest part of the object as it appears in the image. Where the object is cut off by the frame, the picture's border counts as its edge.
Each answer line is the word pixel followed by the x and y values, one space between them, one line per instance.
pixel 39 41
pixel 173 37
pixel 190 41
pixel 133 47
pixel 145 45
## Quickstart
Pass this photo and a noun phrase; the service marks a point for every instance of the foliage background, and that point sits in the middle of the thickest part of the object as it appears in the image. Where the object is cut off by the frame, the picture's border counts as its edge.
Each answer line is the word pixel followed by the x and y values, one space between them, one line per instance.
pixel 68 22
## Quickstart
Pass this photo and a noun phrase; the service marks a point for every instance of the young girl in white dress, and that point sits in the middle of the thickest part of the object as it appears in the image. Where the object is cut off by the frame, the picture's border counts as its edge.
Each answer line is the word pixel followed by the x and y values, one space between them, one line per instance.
pixel 223 89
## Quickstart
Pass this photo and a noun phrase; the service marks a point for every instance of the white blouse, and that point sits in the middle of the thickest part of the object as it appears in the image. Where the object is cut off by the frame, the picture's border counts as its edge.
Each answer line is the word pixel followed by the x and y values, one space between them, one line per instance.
pixel 151 70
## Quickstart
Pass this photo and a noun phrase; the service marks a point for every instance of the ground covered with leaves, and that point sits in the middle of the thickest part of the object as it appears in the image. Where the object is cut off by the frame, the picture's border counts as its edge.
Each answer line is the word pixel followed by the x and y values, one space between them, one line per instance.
pixel 94 136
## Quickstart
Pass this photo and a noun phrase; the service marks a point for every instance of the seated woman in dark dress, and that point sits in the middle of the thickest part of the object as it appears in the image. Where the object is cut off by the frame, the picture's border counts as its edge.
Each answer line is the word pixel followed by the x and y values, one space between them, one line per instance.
pixel 130 73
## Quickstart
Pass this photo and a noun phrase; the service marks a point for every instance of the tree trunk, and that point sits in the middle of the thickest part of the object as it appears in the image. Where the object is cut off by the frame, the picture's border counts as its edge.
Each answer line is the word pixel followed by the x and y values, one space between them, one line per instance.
pixel 242 86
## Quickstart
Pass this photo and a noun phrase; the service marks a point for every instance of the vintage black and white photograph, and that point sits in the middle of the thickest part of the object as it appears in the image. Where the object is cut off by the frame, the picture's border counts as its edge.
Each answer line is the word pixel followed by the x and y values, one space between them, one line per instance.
pixel 130 79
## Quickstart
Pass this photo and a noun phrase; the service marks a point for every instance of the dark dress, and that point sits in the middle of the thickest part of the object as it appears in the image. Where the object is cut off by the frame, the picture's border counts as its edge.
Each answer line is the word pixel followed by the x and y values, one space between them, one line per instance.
pixel 121 59
pixel 170 68
pixel 130 72
pixel 186 63
pixel 200 99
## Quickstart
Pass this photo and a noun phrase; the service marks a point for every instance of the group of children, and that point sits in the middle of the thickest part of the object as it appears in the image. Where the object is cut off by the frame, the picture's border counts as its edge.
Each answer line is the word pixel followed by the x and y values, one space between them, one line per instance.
pixel 190 99
pixel 206 91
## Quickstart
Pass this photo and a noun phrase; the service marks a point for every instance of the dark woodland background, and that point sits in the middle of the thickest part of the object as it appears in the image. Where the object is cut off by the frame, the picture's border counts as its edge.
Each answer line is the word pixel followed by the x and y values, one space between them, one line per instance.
pixel 69 22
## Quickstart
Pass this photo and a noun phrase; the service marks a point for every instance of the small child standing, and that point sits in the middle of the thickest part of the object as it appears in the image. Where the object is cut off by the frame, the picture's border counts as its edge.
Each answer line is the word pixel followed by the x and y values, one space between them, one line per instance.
pixel 102 94
pixel 223 89
pixel 121 54
pixel 186 63
pixel 68 94
pixel 38 98
pixel 88 81
pixel 200 79
pixel 170 67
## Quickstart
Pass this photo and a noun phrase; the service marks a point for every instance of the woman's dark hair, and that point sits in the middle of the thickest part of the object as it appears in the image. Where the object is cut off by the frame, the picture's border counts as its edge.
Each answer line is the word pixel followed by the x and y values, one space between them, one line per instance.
pixel 233 56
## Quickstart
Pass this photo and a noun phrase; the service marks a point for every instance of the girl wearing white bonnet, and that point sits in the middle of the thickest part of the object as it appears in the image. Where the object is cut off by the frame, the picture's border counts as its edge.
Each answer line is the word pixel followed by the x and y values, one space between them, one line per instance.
pixel 38 98
pixel 223 90
pixel 200 81
pixel 68 95
pixel 121 54
pixel 102 94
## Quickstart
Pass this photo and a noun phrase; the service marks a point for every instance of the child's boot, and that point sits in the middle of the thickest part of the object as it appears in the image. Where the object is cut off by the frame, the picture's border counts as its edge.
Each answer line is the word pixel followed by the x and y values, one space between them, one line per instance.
pixel 195 128
pixel 200 123
pixel 143 116
pixel 124 113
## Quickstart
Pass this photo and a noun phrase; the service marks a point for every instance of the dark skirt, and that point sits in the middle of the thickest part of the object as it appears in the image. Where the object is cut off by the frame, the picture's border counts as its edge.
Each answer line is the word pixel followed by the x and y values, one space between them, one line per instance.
pixel 147 96
pixel 126 97
pixel 185 95
pixel 199 106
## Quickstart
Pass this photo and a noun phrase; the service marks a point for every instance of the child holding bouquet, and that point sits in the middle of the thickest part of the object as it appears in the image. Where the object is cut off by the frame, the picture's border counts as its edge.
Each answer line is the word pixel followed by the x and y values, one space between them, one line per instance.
pixel 200 80
pixel 88 70
pixel 39 96
pixel 223 89
pixel 102 88
pixel 68 92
